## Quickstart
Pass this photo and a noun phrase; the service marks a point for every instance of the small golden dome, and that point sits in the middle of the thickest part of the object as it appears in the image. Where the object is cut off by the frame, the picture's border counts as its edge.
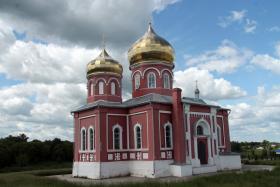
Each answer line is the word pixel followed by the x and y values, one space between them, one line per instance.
pixel 104 64
pixel 151 47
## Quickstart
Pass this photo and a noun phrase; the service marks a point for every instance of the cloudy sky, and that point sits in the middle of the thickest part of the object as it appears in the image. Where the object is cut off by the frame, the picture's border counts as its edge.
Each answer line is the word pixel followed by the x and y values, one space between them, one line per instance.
pixel 231 47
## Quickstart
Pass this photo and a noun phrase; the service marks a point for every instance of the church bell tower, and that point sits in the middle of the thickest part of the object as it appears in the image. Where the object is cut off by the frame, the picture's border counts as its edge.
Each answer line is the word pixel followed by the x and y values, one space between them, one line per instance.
pixel 151 62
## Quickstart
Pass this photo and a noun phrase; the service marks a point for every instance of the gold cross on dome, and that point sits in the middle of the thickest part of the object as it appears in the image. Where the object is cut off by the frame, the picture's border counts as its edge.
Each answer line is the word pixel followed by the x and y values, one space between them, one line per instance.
pixel 103 41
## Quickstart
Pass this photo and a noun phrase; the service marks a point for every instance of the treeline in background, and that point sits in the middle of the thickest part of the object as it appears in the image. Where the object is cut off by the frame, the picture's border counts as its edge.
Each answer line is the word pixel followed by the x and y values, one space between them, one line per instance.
pixel 17 151
pixel 249 151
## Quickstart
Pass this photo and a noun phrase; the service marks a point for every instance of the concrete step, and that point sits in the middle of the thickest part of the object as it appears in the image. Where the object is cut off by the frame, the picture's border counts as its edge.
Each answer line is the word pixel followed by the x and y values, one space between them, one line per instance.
pixel 205 169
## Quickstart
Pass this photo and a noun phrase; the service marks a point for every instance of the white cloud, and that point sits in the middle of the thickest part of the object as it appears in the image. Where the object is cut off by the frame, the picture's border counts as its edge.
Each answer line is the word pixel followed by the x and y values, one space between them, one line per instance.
pixel 257 121
pixel 250 26
pixel 53 76
pixel 277 49
pixel 46 106
pixel 16 106
pixel 225 59
pixel 241 18
pixel 238 15
pixel 235 16
pixel 269 99
pixel 210 88
pixel 82 22
pixel 268 62
pixel 45 63
pixel 162 4
pixel 274 29
pixel 6 36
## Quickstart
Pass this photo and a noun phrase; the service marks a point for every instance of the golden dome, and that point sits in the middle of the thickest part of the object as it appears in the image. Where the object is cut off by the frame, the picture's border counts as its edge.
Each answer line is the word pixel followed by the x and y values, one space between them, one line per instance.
pixel 104 64
pixel 151 47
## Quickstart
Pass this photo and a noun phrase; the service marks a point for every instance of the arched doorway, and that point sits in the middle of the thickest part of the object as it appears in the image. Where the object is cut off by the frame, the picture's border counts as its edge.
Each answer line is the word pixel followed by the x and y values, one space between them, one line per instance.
pixel 202 152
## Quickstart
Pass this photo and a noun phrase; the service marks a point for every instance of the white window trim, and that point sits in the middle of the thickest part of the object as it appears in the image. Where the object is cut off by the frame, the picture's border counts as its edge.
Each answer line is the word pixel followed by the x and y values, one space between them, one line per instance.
pixel 168 81
pixel 89 143
pixel 113 88
pixel 114 79
pixel 91 87
pixel 164 71
pixel 219 136
pixel 151 68
pixel 121 130
pixel 205 127
pixel 135 137
pixel 99 86
pixel 148 79
pixel 137 76
pixel 81 139
pixel 137 71
pixel 100 79
pixel 171 135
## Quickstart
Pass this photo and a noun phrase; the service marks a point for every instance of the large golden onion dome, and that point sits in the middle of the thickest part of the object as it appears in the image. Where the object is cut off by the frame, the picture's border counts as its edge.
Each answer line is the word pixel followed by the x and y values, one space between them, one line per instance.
pixel 104 64
pixel 150 48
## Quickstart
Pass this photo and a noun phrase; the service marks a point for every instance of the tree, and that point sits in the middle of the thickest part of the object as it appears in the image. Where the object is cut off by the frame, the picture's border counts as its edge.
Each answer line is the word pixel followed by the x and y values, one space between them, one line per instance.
pixel 235 147
pixel 17 151
pixel 267 147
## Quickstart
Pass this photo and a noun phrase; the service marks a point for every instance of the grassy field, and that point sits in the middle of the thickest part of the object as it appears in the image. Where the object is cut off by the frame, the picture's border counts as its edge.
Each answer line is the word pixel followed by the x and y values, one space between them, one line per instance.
pixel 245 179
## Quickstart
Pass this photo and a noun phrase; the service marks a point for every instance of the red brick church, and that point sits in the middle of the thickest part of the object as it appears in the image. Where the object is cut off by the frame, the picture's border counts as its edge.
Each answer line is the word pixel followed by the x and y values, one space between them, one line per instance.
pixel 157 132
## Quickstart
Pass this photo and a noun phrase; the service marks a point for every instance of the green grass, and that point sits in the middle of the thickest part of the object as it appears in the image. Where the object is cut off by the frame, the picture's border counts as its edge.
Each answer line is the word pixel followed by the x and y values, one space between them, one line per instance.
pixel 231 179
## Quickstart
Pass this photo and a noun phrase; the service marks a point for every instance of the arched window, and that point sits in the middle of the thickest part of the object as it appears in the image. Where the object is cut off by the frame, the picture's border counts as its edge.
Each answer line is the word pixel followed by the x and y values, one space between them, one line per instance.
pixel 138 136
pixel 117 137
pixel 151 80
pixel 166 81
pixel 83 139
pixel 199 130
pixel 219 135
pixel 91 139
pixel 113 88
pixel 202 128
pixel 137 81
pixel 101 87
pixel 91 89
pixel 168 135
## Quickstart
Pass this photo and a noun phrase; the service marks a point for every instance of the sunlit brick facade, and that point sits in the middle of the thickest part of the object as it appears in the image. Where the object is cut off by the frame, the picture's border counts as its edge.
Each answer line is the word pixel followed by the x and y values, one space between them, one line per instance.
pixel 158 132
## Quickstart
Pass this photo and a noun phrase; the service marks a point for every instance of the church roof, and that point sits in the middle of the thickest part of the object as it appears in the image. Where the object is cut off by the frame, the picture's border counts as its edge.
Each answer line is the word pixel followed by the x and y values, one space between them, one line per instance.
pixel 193 100
pixel 149 98
pixel 145 99
pixel 152 97
pixel 198 101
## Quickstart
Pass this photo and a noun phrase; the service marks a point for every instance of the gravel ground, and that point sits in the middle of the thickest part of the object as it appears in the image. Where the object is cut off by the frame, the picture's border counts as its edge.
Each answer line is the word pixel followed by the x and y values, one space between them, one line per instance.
pixel 131 179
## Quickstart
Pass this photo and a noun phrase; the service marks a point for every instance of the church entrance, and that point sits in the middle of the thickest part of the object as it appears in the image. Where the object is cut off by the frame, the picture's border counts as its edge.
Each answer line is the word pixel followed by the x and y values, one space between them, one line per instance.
pixel 202 151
